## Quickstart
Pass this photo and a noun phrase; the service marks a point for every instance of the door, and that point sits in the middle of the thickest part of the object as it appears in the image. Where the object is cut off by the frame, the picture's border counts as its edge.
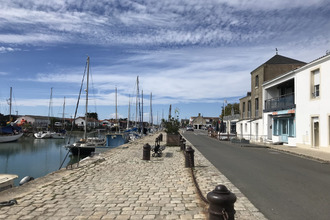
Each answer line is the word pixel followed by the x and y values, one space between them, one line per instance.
pixel 315 136
pixel 284 130
pixel 270 128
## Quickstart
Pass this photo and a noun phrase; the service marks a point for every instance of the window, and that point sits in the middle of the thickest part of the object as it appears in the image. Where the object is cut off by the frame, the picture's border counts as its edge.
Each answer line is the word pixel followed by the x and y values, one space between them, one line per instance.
pixel 249 109
pixel 245 127
pixel 291 128
pixel 315 83
pixel 257 81
pixel 275 127
pixel 257 107
pixel 243 110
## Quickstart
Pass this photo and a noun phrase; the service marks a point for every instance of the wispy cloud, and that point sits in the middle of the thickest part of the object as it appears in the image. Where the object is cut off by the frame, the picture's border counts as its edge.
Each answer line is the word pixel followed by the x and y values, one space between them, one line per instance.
pixel 159 23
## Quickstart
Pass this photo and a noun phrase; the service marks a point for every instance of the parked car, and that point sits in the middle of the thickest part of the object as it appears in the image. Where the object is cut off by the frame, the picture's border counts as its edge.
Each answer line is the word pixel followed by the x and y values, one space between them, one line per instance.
pixel 189 128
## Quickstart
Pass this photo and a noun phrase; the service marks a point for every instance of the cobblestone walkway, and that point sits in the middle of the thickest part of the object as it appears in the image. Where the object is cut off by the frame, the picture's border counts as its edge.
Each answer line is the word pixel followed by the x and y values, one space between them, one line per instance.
pixel 118 184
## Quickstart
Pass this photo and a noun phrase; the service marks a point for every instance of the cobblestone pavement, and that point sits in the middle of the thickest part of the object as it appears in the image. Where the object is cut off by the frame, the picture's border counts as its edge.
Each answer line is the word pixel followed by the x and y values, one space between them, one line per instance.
pixel 118 184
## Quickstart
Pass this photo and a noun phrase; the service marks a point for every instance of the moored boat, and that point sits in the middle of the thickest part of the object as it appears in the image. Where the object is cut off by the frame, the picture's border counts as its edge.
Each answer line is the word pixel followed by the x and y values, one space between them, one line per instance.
pixel 7 181
pixel 86 145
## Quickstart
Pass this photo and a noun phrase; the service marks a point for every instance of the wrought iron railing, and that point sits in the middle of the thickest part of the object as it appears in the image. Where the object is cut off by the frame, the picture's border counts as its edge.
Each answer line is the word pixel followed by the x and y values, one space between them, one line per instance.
pixel 280 103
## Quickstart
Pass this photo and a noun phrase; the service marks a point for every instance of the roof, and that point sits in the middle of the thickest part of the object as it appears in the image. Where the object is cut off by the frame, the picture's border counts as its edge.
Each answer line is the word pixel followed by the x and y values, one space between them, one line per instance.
pixel 279 59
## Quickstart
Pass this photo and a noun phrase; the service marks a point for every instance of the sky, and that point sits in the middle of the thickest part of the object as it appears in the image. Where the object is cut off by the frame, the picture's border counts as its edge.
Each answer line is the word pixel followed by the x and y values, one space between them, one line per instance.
pixel 190 54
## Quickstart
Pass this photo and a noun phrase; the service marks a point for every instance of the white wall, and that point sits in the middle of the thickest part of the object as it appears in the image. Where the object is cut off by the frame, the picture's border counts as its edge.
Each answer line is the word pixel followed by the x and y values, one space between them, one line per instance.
pixel 308 107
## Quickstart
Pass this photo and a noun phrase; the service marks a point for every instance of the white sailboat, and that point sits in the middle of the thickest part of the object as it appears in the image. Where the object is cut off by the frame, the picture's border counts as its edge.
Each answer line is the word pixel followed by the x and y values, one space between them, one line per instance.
pixel 11 132
pixel 86 145
pixel 60 134
pixel 47 133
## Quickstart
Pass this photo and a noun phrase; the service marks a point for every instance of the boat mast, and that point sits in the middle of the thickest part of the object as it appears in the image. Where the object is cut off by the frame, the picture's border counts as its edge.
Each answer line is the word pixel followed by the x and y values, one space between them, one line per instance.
pixel 10 102
pixel 63 125
pixel 116 111
pixel 137 100
pixel 151 119
pixel 129 111
pixel 50 106
pixel 141 116
pixel 86 111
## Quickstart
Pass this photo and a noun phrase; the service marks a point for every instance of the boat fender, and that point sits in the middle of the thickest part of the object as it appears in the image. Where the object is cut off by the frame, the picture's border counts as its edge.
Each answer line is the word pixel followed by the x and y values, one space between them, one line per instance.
pixel 8 203
pixel 25 180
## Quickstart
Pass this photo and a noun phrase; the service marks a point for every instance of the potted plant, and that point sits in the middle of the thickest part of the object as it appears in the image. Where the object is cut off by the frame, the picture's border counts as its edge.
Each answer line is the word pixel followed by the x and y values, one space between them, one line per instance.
pixel 172 127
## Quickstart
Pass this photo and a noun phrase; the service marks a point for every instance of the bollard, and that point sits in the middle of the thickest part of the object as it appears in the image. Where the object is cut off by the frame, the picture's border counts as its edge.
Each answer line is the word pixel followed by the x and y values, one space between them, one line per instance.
pixel 221 203
pixel 181 145
pixel 146 152
pixel 189 156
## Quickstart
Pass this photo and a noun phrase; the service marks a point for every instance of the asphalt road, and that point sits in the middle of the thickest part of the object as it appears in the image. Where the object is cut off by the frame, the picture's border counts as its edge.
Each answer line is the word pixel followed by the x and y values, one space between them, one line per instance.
pixel 280 185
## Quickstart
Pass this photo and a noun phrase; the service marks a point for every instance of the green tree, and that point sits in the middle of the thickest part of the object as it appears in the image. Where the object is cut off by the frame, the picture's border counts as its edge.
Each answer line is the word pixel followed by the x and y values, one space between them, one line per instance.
pixel 93 115
pixel 228 108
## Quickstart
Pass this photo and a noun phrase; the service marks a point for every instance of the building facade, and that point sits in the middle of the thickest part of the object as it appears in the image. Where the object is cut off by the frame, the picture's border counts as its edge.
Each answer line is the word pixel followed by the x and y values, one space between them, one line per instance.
pixel 250 125
pixel 313 105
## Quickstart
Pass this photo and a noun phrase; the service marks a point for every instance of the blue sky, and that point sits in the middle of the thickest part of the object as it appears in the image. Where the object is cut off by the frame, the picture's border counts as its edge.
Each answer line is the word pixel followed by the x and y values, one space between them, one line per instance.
pixel 189 53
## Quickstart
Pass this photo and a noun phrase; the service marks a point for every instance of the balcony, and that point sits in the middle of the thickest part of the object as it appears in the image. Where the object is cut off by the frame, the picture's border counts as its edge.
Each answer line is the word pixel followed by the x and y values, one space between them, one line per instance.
pixel 280 103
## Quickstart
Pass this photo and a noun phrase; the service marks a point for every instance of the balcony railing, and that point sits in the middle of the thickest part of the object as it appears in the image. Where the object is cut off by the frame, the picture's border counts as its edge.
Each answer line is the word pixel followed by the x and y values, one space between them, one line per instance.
pixel 280 103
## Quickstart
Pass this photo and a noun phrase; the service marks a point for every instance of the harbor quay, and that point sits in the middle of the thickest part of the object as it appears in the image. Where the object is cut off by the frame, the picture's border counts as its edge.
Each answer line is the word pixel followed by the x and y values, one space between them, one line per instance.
pixel 118 184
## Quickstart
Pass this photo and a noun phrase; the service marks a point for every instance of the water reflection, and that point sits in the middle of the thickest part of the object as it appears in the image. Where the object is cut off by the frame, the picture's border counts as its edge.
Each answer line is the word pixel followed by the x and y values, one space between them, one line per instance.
pixel 34 157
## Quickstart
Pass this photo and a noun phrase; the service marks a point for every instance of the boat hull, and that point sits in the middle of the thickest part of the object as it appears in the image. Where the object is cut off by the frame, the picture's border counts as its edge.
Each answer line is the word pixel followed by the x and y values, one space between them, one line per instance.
pixel 10 138
pixel 81 150
pixel 7 181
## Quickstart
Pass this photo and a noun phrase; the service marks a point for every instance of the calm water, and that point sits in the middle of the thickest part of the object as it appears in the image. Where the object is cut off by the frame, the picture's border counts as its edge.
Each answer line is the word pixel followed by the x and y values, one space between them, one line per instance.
pixel 34 157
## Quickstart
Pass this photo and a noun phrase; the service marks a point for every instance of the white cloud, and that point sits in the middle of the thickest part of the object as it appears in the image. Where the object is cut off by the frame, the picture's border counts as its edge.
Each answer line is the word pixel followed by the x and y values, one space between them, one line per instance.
pixel 8 49
pixel 157 22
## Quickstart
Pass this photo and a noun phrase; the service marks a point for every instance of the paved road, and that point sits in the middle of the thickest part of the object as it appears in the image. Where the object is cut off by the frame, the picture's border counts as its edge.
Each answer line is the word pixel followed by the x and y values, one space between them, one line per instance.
pixel 282 186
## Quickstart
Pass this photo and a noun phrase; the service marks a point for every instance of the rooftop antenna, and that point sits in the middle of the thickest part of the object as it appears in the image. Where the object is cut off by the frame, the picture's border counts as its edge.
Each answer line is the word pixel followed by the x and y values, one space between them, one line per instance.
pixel 276 51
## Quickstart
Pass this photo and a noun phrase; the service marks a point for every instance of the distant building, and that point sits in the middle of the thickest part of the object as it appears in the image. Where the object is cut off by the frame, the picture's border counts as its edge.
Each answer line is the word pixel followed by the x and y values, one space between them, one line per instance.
pixel 297 107
pixel 91 122
pixel 250 125
pixel 200 122
pixel 36 121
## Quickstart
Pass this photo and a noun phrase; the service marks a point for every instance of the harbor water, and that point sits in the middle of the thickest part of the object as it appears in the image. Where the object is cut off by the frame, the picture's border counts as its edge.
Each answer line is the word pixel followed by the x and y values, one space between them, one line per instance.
pixel 35 157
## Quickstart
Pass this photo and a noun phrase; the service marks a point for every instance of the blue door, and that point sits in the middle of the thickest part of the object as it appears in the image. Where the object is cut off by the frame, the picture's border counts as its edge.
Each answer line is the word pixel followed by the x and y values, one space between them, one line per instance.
pixel 284 133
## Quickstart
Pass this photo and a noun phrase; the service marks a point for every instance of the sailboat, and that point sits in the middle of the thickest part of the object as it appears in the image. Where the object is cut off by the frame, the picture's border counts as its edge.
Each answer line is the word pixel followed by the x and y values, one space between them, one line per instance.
pixel 60 134
pixel 86 145
pixel 118 137
pixel 11 132
pixel 47 133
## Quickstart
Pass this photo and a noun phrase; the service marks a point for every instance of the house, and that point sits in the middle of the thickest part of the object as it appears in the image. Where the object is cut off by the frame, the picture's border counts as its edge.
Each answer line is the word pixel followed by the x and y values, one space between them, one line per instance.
pixel 36 121
pixel 91 122
pixel 230 122
pixel 279 109
pixel 250 125
pixel 312 104
pixel 200 122
pixel 297 108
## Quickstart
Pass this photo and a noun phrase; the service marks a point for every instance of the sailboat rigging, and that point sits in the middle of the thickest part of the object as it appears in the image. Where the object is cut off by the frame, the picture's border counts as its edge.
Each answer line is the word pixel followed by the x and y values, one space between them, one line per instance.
pixel 11 132
pixel 86 145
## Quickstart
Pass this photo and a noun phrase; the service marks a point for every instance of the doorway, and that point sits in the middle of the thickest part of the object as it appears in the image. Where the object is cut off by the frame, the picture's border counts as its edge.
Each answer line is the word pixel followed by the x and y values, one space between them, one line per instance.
pixel 315 132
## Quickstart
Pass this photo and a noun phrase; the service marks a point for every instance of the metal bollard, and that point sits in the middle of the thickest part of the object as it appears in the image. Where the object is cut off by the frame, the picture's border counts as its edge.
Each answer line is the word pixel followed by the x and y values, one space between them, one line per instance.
pixel 189 157
pixel 146 152
pixel 221 203
pixel 183 144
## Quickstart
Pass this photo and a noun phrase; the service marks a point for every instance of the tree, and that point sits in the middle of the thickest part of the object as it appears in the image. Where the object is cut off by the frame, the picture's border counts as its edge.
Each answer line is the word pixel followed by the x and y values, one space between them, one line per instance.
pixel 92 115
pixel 228 108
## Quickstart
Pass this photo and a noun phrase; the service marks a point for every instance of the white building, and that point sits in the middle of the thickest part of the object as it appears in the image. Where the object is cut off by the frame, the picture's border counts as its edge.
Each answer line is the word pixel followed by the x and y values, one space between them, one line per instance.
pixel 92 123
pixel 279 109
pixel 313 104
pixel 296 106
